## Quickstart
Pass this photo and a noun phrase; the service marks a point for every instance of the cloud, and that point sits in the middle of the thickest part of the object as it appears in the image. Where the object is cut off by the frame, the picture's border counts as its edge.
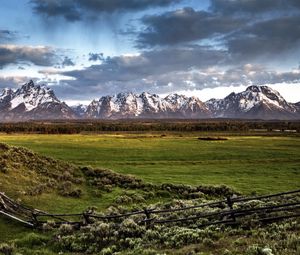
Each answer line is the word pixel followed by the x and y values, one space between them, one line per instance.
pixel 12 81
pixel 96 56
pixel 184 25
pixel 244 37
pixel 139 72
pixel 252 6
pixel 36 55
pixel 188 25
pixel 130 67
pixel 54 8
pixel 8 35
pixel 245 75
pixel 67 62
pixel 40 55
pixel 164 71
pixel 267 38
pixel 74 10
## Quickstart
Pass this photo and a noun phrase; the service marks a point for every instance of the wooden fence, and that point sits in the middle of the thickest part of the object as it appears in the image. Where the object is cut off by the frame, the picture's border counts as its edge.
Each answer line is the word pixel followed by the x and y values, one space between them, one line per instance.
pixel 226 214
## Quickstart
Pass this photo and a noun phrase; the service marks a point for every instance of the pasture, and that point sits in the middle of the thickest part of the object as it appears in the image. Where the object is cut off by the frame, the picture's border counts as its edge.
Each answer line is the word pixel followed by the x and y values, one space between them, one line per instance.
pixel 249 164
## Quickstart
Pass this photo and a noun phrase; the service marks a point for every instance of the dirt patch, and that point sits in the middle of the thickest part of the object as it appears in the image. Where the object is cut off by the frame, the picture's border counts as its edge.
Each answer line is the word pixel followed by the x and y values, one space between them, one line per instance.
pixel 213 138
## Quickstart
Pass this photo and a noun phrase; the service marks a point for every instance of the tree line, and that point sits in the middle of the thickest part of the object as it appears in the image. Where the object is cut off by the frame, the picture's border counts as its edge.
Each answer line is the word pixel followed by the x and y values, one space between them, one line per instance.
pixel 76 127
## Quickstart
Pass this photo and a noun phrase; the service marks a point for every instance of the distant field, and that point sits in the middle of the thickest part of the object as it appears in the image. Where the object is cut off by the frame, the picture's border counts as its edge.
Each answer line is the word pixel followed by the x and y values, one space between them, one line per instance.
pixel 248 163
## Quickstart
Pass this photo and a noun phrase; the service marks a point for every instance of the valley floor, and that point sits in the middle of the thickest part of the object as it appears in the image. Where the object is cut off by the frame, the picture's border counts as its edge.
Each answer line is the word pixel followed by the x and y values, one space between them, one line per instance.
pixel 261 164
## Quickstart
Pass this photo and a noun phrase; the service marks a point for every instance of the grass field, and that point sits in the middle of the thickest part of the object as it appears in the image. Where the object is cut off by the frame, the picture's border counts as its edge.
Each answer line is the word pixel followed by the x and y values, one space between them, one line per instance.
pixel 259 164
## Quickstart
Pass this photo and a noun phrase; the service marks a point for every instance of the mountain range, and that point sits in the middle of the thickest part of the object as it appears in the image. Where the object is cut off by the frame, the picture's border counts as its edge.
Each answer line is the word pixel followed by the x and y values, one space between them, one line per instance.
pixel 32 101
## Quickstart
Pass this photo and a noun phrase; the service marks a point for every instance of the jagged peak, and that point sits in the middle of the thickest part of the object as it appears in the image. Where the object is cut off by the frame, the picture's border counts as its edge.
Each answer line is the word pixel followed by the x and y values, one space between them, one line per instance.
pixel 6 92
pixel 177 99
pixel 175 95
pixel 267 92
pixel 27 86
pixel 212 100
pixel 231 95
pixel 95 101
pixel 148 94
pixel 254 88
pixel 262 88
pixel 32 96
pixel 30 83
pixel 194 99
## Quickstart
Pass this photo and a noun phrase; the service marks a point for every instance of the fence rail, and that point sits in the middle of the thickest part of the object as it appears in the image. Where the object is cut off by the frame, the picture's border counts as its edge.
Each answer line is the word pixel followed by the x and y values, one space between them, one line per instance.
pixel 36 218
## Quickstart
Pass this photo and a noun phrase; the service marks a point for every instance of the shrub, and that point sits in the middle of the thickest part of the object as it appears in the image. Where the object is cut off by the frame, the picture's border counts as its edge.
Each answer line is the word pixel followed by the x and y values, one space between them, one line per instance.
pixel 66 189
pixel 4 168
pixel 49 225
pixel 257 250
pixel 6 249
pixel 31 240
pixel 293 242
pixel 129 228
pixel 66 229
pixel 123 200
pixel 208 242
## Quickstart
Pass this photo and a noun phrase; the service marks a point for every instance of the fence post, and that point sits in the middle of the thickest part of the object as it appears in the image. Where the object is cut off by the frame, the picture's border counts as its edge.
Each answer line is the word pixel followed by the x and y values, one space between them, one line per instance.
pixel 86 219
pixel 148 217
pixel 34 219
pixel 230 205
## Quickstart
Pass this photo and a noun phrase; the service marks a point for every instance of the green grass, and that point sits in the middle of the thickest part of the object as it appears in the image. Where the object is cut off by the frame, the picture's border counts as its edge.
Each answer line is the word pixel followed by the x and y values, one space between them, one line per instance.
pixel 10 230
pixel 259 164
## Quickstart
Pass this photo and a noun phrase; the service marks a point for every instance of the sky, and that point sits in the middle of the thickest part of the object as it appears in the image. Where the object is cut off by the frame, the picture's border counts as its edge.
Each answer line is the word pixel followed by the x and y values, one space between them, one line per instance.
pixel 85 49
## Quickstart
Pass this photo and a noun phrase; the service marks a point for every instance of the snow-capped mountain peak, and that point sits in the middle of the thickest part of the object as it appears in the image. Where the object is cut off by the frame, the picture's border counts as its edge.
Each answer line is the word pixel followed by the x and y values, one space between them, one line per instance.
pixel 32 95
pixel 146 105
pixel 254 102
pixel 176 99
pixel 32 101
pixel 6 92
pixel 256 95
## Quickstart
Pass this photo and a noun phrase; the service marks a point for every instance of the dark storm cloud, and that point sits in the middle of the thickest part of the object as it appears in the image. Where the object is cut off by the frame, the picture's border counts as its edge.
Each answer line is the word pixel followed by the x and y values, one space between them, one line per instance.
pixel 96 56
pixel 267 38
pixel 73 10
pixel 13 54
pixel 252 6
pixel 245 37
pixel 52 8
pixel 184 25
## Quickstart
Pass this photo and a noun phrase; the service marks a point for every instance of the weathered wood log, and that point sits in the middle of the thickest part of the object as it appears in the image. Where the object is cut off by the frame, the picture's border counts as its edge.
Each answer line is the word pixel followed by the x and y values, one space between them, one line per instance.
pixel 29 224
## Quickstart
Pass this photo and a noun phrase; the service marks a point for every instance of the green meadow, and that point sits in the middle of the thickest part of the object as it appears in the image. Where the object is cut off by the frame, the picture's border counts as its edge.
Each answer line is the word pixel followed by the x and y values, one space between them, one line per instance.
pixel 260 164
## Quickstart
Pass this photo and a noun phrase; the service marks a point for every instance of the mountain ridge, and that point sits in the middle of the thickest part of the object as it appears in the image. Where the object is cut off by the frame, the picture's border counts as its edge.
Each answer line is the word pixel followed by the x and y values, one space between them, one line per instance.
pixel 32 101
